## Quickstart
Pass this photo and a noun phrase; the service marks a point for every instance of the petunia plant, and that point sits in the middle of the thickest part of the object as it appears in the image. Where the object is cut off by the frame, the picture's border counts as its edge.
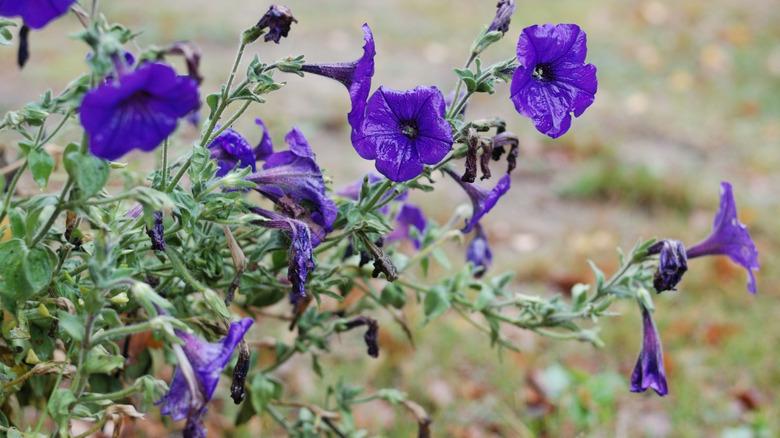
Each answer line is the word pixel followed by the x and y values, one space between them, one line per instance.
pixel 124 303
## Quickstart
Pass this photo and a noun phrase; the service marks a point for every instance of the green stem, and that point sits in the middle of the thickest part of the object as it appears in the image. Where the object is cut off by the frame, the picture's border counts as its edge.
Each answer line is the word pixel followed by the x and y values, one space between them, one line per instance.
pixel 57 210
pixel 12 189
pixel 121 332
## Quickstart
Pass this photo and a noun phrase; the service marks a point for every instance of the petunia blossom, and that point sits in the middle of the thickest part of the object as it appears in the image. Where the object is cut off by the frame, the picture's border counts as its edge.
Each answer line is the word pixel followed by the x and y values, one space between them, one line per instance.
pixel 478 252
pixel 277 20
pixel 230 149
pixel 355 75
pixel 553 81
pixel 403 131
pixel 649 370
pixel 730 237
pixel 504 11
pixel 482 200
pixel 137 110
pixel 195 379
pixel 35 14
pixel 672 264
pixel 409 217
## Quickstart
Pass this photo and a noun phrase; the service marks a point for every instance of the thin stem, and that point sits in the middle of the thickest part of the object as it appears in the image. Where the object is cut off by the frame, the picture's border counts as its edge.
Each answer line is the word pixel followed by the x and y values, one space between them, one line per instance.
pixel 12 189
pixel 57 210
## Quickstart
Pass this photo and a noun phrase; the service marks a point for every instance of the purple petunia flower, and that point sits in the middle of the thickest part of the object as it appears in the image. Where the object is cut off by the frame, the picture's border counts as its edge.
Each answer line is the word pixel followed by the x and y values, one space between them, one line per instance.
pixel 355 75
pixel 553 79
pixel 478 252
pixel 138 110
pixel 482 200
pixel 35 14
pixel 504 11
pixel 231 149
pixel 649 370
pixel 404 130
pixel 409 217
pixel 672 264
pixel 730 237
pixel 300 258
pixel 293 181
pixel 196 377
pixel 266 146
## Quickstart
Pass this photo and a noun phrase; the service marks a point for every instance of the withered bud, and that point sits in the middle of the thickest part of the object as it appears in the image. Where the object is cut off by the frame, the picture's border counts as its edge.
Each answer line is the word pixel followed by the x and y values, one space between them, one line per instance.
pixel 237 389
pixel 277 20
pixel 371 335
pixel 191 54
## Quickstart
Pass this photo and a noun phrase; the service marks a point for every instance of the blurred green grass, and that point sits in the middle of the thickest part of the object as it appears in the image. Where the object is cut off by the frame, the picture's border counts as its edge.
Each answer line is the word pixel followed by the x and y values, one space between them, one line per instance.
pixel 689 94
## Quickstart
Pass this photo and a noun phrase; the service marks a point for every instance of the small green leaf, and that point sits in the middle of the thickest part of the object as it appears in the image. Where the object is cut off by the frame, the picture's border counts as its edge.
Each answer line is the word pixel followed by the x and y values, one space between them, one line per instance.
pixel 263 390
pixel 212 100
pixel 393 295
pixel 41 166
pixel 72 325
pixel 37 269
pixel 12 253
pixel 89 172
pixel 99 361
pixel 436 303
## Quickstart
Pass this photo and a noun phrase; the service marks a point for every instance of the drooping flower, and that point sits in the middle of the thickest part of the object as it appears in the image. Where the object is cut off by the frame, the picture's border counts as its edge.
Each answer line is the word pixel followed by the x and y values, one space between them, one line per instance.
pixel 230 149
pixel 278 21
pixel 195 379
pixel 504 11
pixel 672 264
pixel 404 130
pixel 409 217
pixel 649 370
pixel 35 14
pixel 156 232
pixel 293 181
pixel 355 75
pixel 482 200
pixel 730 237
pixel 371 337
pixel 300 258
pixel 137 110
pixel 191 54
pixel 479 253
pixel 553 81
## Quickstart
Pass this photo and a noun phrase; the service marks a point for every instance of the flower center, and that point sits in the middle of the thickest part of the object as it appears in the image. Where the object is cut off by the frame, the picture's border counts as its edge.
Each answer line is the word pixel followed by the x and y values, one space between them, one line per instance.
pixel 409 128
pixel 543 72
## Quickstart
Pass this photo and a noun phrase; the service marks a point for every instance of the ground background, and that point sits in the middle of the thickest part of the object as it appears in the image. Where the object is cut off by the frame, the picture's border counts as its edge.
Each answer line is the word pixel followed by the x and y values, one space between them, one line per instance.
pixel 689 94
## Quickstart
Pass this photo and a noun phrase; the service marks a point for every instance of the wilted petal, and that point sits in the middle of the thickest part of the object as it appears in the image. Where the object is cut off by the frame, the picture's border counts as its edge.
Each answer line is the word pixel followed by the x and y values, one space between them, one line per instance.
pixel 230 149
pixel 478 252
pixel 504 11
pixel 482 201
pixel 35 13
pixel 649 370
pixel 409 217
pixel 672 264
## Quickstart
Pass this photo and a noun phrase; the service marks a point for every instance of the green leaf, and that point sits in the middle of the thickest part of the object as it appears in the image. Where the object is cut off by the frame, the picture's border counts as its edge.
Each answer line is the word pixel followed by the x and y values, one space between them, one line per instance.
pixel 12 253
pixel 99 361
pixel 72 325
pixel 89 172
pixel 263 390
pixel 393 295
pixel 37 269
pixel 437 301
pixel 41 166
pixel 212 100
pixel 59 406
pixel 6 36
pixel 486 296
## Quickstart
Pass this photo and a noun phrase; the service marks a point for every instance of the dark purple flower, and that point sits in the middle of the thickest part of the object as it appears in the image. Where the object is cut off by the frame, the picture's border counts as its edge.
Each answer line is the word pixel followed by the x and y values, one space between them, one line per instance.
pixel 482 200
pixel 504 11
pixel 191 54
pixel 730 237
pixel 649 370
pixel 266 146
pixel 300 258
pixel 553 79
pixel 35 13
pixel 293 181
pixel 371 335
pixel 277 20
pixel 355 75
pixel 409 217
pixel 138 110
pixel 157 233
pixel 672 264
pixel 404 130
pixel 231 149
pixel 195 380
pixel 478 252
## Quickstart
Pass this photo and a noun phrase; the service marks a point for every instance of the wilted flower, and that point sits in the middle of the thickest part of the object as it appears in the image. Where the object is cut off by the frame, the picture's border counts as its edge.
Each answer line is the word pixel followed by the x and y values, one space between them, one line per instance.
pixel 404 130
pixel 504 11
pixel 277 20
pixel 231 149
pixel 355 75
pixel 157 233
pixel 478 252
pixel 410 216
pixel 293 181
pixel 371 336
pixel 196 377
pixel 137 110
pixel 672 264
pixel 553 79
pixel 35 14
pixel 482 200
pixel 266 146
pixel 191 54
pixel 730 237
pixel 649 370
pixel 300 258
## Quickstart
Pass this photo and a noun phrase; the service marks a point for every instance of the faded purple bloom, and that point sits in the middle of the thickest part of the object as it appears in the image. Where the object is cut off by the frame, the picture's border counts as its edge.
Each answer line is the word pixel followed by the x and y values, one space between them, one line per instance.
pixel 157 233
pixel 371 335
pixel 191 54
pixel 138 110
pixel 478 252
pixel 35 14
pixel 231 149
pixel 553 81
pixel 355 75
pixel 409 217
pixel 404 130
pixel 730 237
pixel 482 200
pixel 672 264
pixel 196 377
pixel 649 370
pixel 300 258
pixel 504 11
pixel 293 181
pixel 277 20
